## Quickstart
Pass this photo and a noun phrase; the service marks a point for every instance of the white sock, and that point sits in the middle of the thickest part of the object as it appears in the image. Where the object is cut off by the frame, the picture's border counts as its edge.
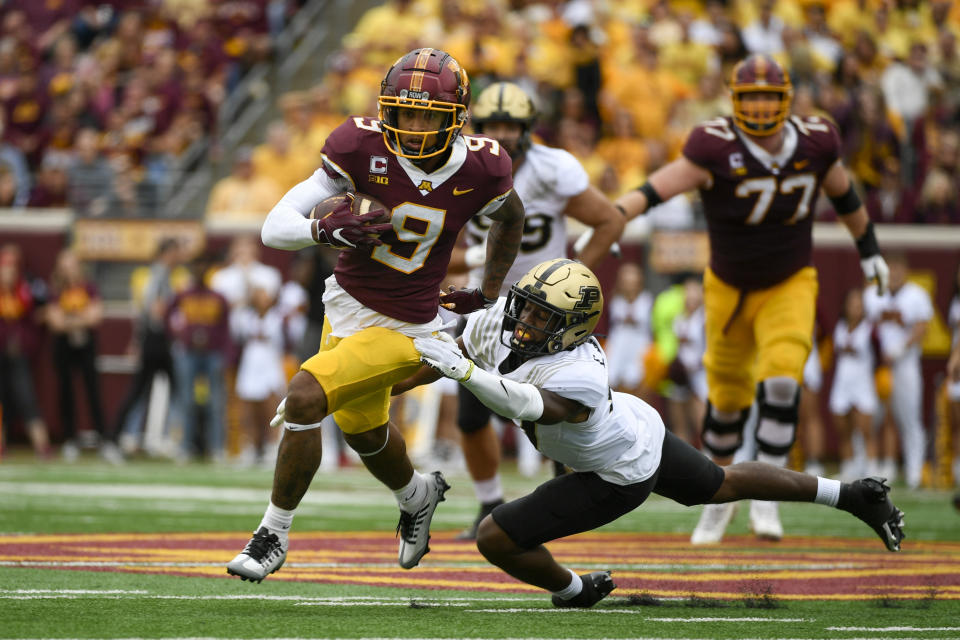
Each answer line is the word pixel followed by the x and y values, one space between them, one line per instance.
pixel 488 491
pixel 277 520
pixel 412 496
pixel 828 491
pixel 572 589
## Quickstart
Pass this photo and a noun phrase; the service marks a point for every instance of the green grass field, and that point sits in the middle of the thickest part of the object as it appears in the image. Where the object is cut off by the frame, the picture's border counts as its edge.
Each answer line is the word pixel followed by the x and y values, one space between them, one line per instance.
pixel 91 551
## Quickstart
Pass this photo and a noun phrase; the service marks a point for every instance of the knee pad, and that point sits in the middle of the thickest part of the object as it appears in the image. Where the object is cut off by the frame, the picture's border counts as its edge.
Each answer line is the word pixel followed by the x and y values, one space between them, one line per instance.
pixel 778 400
pixel 723 438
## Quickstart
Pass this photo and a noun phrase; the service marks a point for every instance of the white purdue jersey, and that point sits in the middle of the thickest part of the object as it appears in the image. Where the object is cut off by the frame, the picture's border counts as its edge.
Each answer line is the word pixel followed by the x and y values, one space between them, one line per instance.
pixel 621 439
pixel 545 181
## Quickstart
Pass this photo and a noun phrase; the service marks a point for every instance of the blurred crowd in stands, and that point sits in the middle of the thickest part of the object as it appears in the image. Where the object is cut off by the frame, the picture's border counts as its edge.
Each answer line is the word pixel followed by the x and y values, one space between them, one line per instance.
pixel 101 98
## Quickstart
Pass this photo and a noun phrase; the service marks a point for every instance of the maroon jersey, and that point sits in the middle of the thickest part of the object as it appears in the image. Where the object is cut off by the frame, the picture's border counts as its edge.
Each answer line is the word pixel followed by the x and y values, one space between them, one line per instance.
pixel 760 212
pixel 401 278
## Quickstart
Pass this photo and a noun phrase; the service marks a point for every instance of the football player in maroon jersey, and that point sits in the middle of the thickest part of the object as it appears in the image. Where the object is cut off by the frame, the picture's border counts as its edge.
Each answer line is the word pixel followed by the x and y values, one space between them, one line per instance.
pixel 431 180
pixel 759 173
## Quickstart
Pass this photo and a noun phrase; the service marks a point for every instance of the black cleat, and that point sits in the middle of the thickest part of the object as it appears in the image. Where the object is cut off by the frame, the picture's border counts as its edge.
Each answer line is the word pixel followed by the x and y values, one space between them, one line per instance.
pixel 264 554
pixel 868 500
pixel 596 586
pixel 485 509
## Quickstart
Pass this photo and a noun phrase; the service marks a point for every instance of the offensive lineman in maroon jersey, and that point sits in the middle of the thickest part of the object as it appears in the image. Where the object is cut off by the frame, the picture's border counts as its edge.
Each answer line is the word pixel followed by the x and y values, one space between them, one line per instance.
pixel 758 174
pixel 384 291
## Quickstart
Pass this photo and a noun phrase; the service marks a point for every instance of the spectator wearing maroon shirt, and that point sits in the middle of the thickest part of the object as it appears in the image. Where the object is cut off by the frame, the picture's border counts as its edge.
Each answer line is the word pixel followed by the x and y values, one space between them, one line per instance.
pixel 73 315
pixel 198 319
pixel 18 344
pixel 50 189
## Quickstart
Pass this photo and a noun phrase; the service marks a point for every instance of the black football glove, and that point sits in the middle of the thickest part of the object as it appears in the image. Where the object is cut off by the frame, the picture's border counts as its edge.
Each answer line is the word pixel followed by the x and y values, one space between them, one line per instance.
pixel 341 229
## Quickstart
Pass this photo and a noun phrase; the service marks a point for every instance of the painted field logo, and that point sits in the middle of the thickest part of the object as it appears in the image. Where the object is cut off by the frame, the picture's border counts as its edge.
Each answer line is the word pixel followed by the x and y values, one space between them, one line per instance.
pixel 797 568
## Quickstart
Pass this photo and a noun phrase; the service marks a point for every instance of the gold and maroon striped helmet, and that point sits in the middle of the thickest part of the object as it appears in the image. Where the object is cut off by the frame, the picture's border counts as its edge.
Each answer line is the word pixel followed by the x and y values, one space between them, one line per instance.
pixel 764 77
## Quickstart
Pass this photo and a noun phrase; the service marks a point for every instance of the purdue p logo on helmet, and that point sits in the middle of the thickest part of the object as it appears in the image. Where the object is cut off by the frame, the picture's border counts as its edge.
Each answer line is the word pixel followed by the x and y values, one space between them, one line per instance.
pixel 571 296
pixel 762 75
pixel 430 80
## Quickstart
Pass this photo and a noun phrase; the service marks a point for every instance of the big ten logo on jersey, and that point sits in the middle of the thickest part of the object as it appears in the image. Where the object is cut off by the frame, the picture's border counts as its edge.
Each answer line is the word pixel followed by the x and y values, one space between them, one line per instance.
pixel 378 169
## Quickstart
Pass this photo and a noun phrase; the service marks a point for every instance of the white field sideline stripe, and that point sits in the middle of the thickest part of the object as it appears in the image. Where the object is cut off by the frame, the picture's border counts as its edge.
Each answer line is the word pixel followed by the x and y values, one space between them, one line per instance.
pixel 468 638
pixel 75 591
pixel 634 611
pixel 182 493
pixel 893 628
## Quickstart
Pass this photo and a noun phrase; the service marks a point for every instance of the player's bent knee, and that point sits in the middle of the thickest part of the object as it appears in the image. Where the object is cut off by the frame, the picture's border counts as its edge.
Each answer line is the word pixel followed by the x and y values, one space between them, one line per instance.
pixel 369 443
pixel 722 438
pixel 492 540
pixel 306 401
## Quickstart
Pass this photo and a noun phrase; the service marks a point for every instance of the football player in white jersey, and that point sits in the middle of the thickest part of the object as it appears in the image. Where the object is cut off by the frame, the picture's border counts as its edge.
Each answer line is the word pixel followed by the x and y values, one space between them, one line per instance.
pixel 552 185
pixel 532 356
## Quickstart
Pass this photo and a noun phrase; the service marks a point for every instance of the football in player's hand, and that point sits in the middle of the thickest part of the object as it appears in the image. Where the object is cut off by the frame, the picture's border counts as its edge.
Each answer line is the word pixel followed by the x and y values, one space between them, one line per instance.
pixel 360 204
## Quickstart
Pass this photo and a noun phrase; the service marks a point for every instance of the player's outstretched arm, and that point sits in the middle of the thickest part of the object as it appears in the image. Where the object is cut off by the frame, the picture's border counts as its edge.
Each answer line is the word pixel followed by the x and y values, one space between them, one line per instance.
pixel 508 398
pixel 595 210
pixel 672 179
pixel 839 189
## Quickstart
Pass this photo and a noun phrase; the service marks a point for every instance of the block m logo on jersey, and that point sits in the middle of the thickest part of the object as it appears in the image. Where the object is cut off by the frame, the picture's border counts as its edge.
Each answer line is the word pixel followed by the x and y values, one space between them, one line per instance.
pixel 589 296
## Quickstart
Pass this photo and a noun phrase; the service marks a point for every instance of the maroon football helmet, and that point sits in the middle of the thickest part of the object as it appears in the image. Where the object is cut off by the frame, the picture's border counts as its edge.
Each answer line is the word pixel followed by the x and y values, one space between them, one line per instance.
pixel 429 80
pixel 760 74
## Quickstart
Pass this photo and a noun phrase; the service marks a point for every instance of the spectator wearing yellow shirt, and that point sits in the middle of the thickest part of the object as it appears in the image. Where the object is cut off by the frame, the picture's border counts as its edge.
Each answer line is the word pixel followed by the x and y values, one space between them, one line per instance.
pixel 623 150
pixel 280 161
pixel 688 59
pixel 645 87
pixel 243 196
pixel 848 17
pixel 385 32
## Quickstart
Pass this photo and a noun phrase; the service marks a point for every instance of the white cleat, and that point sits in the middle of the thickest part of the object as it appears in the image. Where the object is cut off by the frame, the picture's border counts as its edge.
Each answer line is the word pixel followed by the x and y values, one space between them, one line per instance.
pixel 414 528
pixel 713 523
pixel 264 554
pixel 765 519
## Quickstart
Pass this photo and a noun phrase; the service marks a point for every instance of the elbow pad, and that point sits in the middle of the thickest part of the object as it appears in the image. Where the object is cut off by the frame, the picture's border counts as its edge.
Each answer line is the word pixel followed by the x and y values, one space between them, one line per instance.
pixel 518 400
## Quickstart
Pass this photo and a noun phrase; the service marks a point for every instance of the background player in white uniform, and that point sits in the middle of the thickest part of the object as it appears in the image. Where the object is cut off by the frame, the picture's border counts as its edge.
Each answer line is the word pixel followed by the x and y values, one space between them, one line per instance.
pixel 853 397
pixel 953 374
pixel 534 358
pixel 629 334
pixel 902 317
pixel 688 395
pixel 551 184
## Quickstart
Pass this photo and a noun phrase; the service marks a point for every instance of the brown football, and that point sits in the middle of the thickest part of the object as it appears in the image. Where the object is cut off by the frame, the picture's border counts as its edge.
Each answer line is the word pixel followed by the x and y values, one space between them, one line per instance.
pixel 361 203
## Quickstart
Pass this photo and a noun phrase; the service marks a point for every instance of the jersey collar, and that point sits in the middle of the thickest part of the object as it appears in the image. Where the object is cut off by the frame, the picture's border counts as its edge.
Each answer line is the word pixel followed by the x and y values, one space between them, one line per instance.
pixel 458 155
pixel 773 163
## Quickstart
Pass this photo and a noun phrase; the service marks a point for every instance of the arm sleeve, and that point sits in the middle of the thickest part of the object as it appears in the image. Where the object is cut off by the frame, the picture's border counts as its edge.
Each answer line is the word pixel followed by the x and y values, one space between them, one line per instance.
pixel 518 400
pixel 287 226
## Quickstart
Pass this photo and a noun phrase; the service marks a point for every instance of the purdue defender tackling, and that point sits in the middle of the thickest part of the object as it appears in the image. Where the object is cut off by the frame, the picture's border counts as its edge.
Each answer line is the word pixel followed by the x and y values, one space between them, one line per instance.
pixel 552 185
pixel 532 356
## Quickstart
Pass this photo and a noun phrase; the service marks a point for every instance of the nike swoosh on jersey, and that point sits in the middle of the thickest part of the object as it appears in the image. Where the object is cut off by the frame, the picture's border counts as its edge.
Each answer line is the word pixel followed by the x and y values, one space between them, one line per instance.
pixel 338 234
pixel 800 164
pixel 457 191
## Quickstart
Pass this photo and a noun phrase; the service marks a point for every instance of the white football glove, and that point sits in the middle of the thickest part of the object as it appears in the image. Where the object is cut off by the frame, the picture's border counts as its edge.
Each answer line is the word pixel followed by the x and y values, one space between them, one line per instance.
pixel 443 354
pixel 875 268
pixel 281 417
